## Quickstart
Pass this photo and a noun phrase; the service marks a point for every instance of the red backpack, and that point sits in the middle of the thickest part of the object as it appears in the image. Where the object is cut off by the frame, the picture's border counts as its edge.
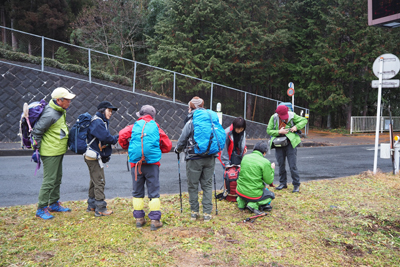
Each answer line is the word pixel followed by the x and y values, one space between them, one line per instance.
pixel 231 175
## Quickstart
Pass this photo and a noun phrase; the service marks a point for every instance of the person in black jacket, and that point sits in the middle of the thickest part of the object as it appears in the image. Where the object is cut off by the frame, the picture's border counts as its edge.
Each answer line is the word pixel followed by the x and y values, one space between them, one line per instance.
pixel 100 141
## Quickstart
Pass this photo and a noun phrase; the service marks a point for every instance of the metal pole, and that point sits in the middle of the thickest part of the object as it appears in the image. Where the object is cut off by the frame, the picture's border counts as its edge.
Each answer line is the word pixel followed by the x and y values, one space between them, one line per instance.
pixel 378 111
pixel 351 124
pixel 134 77
pixel 90 66
pixel 42 53
pixel 211 97
pixel 293 102
pixel 174 85
pixel 245 103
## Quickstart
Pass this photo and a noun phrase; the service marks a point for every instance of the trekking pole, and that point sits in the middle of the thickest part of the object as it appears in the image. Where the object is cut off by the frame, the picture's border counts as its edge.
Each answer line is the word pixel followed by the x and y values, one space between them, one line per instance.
pixel 391 138
pixel 215 195
pixel 127 162
pixel 179 171
pixel 253 218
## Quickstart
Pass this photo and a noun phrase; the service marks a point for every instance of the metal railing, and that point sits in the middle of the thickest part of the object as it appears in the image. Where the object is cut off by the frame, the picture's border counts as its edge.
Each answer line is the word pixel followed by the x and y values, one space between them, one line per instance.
pixel 363 124
pixel 48 55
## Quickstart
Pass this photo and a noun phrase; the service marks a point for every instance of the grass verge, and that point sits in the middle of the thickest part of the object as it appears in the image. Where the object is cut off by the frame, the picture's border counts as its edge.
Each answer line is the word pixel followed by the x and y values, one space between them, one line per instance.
pixel 352 221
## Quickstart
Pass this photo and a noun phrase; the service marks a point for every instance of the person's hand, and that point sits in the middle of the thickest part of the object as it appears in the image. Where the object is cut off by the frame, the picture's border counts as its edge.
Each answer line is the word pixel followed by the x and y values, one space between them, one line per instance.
pixel 283 131
pixel 245 150
pixel 293 129
pixel 273 165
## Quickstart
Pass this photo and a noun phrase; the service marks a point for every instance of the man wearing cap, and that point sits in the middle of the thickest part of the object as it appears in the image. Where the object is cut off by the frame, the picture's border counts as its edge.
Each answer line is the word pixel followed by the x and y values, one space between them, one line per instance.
pixel 50 138
pixel 286 123
pixel 255 172
pixel 100 141
pixel 145 141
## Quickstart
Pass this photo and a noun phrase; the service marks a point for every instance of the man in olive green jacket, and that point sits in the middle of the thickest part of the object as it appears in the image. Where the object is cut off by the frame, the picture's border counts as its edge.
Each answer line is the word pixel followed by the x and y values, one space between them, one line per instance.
pixel 50 137
pixel 285 123
pixel 255 172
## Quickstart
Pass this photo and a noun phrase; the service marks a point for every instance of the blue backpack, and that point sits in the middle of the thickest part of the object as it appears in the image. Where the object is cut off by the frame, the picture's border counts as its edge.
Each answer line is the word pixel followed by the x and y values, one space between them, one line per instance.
pixel 145 142
pixel 209 135
pixel 78 134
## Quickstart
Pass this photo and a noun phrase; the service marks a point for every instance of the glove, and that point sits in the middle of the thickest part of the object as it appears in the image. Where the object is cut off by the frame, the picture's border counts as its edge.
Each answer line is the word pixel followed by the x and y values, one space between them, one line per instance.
pixel 36 156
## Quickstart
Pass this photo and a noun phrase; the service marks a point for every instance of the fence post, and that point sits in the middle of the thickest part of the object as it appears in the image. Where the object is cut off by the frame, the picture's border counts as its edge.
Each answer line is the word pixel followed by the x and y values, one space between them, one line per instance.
pixel 351 124
pixel 211 98
pixel 134 78
pixel 245 103
pixel 42 53
pixel 174 86
pixel 90 67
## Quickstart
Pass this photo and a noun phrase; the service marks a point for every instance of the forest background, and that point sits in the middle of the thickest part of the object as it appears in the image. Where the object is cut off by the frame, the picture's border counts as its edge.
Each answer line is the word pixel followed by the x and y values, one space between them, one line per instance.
pixel 324 46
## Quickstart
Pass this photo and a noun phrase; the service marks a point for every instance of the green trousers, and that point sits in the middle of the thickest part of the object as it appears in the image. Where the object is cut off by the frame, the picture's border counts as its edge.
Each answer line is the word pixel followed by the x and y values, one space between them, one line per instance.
pixel 52 173
pixel 200 171
pixel 242 203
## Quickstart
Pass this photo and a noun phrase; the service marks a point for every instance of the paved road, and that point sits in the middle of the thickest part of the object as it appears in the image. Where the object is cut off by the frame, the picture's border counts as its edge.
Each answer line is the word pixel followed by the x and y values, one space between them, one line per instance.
pixel 19 186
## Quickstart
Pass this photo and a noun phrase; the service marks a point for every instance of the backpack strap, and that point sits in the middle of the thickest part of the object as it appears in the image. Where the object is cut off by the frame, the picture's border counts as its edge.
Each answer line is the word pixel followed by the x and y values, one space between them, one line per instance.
pixel 139 163
pixel 95 117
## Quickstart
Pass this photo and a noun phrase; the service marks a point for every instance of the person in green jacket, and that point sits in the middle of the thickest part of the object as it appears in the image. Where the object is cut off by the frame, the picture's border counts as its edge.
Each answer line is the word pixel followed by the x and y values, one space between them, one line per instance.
pixel 50 137
pixel 286 123
pixel 256 172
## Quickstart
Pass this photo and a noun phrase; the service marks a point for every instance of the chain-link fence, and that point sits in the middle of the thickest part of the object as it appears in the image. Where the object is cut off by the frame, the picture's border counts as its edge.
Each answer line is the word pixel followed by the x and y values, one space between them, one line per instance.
pixel 85 64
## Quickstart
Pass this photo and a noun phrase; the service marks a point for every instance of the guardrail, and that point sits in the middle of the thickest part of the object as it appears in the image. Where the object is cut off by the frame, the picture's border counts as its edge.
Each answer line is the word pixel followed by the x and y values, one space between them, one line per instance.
pixel 92 64
pixel 363 124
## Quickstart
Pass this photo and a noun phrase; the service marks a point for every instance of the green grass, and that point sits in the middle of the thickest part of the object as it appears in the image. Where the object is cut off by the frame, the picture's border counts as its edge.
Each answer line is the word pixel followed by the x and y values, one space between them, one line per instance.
pixel 352 221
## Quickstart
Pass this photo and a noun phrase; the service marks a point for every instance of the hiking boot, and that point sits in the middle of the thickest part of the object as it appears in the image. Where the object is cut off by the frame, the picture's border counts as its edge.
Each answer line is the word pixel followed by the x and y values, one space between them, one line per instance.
pixel 194 216
pixel 155 224
pixel 91 205
pixel 281 186
pixel 257 212
pixel 90 209
pixel 140 222
pixel 56 207
pixel 266 207
pixel 44 213
pixel 103 213
pixel 207 217
pixel 296 189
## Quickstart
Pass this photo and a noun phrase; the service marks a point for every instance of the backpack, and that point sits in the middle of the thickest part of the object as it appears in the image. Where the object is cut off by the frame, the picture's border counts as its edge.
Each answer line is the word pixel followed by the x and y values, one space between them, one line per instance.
pixel 78 134
pixel 145 142
pixel 209 136
pixel 30 115
pixel 231 175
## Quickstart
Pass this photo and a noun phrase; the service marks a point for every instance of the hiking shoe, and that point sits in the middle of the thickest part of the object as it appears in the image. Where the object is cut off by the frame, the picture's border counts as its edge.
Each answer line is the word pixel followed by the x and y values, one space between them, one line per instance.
pixel 194 216
pixel 103 213
pixel 155 224
pixel 257 212
pixel 44 213
pixel 89 209
pixel 140 222
pixel 207 217
pixel 56 207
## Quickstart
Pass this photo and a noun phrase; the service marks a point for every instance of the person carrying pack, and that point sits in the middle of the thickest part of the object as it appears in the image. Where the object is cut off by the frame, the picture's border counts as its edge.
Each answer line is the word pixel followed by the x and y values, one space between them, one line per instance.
pixel 202 138
pixel 235 144
pixel 50 138
pixel 145 141
pixel 256 171
pixel 285 125
pixel 100 150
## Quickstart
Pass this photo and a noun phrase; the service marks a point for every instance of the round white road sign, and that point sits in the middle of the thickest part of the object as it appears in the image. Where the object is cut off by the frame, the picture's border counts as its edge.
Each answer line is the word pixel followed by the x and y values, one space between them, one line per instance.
pixel 391 66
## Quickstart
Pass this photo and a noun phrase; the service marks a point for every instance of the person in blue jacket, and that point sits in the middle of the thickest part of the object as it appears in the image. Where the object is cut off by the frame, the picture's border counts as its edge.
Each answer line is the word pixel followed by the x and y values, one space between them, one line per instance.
pixel 100 140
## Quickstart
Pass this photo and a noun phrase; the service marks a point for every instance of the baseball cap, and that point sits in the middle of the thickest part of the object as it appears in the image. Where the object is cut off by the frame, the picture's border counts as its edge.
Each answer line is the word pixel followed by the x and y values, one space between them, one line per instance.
pixel 146 110
pixel 282 112
pixel 61 92
pixel 106 104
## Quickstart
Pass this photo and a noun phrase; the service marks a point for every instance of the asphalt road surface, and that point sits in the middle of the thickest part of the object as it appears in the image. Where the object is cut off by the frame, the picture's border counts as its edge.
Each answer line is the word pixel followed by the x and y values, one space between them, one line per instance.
pixel 19 186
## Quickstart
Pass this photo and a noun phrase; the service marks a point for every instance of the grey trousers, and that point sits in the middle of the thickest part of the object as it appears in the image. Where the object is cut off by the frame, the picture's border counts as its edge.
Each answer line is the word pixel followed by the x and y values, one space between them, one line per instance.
pixel 291 154
pixel 97 180
pixel 200 171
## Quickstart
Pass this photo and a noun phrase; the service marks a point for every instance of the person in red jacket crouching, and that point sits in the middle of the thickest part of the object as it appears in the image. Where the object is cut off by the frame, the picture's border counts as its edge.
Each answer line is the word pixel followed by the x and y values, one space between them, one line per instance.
pixel 145 141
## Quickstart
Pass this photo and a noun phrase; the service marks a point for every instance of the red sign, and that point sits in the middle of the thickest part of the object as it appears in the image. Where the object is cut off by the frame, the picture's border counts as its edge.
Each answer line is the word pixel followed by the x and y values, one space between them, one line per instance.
pixel 290 92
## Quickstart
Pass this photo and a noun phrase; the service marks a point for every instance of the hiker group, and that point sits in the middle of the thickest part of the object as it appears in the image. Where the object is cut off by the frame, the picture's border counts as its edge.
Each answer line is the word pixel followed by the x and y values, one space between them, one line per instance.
pixel 246 176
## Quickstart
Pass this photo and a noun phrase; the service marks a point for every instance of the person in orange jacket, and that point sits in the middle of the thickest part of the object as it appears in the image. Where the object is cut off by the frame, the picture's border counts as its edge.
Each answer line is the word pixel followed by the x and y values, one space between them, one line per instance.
pixel 145 141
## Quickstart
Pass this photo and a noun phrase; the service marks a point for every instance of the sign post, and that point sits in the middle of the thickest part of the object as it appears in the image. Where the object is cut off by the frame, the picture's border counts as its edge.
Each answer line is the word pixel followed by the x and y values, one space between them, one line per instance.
pixel 290 92
pixel 385 67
